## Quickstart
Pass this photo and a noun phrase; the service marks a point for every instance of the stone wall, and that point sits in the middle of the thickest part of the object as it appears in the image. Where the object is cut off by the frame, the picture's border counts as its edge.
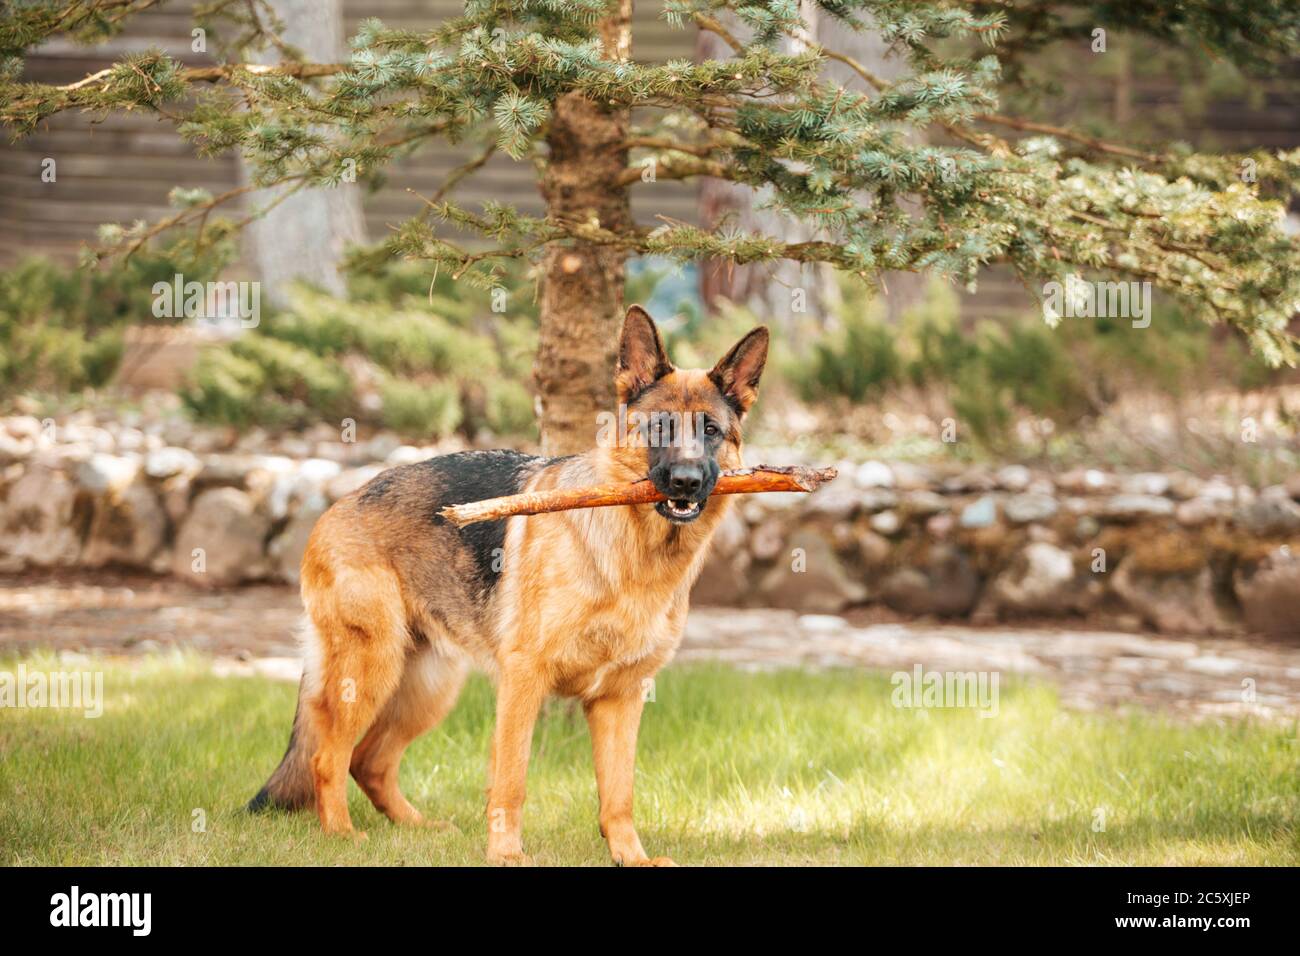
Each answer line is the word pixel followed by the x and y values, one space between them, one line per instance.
pixel 1166 551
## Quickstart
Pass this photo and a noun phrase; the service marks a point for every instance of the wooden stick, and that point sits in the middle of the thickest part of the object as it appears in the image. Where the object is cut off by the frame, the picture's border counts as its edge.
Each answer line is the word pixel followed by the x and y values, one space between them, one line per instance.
pixel 742 481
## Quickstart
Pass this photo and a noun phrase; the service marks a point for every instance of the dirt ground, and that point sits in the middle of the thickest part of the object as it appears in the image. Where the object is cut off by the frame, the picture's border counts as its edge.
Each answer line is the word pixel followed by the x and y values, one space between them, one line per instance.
pixel 250 629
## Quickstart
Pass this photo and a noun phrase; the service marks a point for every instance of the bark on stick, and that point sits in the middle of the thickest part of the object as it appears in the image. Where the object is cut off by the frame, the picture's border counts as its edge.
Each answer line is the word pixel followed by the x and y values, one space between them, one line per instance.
pixel 739 482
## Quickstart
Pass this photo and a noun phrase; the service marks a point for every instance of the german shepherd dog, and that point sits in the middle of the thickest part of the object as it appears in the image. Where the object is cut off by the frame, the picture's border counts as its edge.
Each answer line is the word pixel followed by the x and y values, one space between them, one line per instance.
pixel 586 604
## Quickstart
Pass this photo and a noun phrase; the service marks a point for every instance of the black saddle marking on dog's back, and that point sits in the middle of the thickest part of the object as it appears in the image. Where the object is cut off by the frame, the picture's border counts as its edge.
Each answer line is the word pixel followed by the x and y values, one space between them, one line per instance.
pixel 474 476
pixel 456 479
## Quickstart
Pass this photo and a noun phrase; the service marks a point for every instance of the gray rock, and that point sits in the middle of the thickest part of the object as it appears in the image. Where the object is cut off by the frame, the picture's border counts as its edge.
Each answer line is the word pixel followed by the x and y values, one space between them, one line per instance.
pixel 305 486
pixel 1085 481
pixel 1132 507
pixel 1275 492
pixel 382 445
pixel 1041 580
pixel 940 526
pixel 873 549
pixel 980 513
pixel 877 499
pixel 318 471
pixel 1145 483
pixel 1217 489
pixel 971 480
pixel 166 462
pixel 945 584
pixel 406 455
pixel 14 449
pixel 40 522
pixel 127 529
pixel 723 581
pixel 767 539
pixel 1171 603
pixel 130 440
pixel 810 579
pixel 1039 532
pixel 295 447
pixel 1184 485
pixel 286 550
pixel 886 523
pixel 103 474
pixel 22 426
pixel 1086 527
pixel 176 493
pixel 61 457
pixel 1269 516
pixel 252 440
pixel 1080 506
pixel 1014 478
pixel 924 503
pixel 242 470
pixel 178 431
pixel 1269 594
pixel 910 477
pixel 225 524
pixel 873 474
pixel 99 439
pixel 273 493
pixel 731 534
pixel 1028 508
pixel 1195 512
pixel 753 510
pixel 838 501
pixel 842 538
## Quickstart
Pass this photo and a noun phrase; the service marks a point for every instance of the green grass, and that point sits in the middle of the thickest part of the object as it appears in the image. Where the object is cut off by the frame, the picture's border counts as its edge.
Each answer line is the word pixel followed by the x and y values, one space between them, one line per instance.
pixel 734 768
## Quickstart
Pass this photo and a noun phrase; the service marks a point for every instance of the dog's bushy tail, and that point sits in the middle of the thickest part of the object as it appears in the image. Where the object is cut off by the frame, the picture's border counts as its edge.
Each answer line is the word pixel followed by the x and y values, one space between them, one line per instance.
pixel 290 787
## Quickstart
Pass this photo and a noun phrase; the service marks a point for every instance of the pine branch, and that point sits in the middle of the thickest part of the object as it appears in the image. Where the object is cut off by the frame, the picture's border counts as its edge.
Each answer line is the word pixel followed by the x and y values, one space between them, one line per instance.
pixel 1061 132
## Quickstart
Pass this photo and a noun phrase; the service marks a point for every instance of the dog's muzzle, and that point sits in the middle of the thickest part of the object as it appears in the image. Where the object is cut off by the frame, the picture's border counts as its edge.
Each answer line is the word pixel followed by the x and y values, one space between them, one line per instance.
pixel 680 510
pixel 684 484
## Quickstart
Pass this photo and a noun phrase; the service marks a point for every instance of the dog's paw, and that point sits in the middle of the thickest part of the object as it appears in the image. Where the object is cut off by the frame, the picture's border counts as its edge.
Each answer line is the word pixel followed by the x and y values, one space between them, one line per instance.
pixel 344 833
pixel 656 861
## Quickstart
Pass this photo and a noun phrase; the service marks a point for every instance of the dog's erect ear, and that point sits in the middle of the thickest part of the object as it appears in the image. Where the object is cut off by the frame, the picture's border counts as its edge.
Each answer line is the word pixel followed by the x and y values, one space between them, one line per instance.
pixel 642 359
pixel 738 373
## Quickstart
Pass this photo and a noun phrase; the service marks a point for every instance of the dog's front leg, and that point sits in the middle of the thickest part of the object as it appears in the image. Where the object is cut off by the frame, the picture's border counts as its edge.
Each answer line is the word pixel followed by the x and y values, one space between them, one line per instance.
pixel 614 722
pixel 519 697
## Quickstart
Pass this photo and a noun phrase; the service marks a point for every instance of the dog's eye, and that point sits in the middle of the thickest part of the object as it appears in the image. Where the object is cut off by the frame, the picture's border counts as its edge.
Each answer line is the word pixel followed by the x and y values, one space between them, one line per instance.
pixel 712 430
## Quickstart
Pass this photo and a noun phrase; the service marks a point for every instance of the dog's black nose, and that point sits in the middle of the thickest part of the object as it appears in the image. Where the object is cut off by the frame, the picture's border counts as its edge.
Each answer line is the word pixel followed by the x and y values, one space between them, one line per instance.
pixel 685 480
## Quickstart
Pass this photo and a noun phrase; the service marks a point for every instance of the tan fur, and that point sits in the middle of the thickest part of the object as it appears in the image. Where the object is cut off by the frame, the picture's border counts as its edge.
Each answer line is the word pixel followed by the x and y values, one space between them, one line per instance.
pixel 590 604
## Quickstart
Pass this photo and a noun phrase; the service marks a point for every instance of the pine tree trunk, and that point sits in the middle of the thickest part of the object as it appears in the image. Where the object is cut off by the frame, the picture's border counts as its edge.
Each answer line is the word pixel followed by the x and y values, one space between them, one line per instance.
pixel 582 284
pixel 305 236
